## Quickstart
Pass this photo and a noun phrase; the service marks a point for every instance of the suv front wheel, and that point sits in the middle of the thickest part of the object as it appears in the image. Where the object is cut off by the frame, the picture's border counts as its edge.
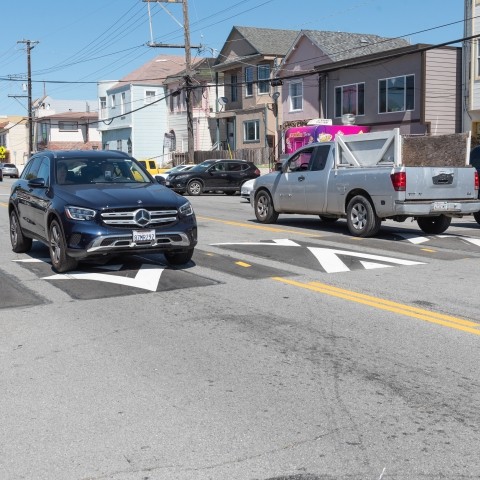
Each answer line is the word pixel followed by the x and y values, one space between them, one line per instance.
pixel 179 258
pixel 195 188
pixel 58 249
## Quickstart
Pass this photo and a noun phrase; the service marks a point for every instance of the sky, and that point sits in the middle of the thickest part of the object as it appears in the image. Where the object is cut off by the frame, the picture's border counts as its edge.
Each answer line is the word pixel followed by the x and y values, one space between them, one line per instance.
pixel 80 43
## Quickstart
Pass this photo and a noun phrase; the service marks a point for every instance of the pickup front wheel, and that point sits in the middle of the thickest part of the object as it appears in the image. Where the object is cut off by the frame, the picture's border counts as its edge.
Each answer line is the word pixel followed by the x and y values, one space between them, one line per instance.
pixel 264 209
pixel 362 221
pixel 434 225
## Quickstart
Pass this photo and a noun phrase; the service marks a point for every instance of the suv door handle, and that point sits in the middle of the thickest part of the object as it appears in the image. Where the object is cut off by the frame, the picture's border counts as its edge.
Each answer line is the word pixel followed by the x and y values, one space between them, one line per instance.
pixel 301 179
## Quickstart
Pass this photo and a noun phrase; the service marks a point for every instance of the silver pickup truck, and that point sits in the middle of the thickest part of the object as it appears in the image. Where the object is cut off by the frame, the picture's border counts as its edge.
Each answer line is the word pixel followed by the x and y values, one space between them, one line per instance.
pixel 371 177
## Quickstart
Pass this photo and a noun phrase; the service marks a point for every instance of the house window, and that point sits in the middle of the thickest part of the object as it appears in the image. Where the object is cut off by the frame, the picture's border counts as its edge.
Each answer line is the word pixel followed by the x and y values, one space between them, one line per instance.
pixel 248 81
pixel 112 101
pixel 478 56
pixel 350 99
pixel 68 126
pixel 251 131
pixel 119 145
pixel 263 76
pixel 103 107
pixel 196 97
pixel 396 94
pixel 122 103
pixel 295 92
pixel 129 146
pixel 149 96
pixel 233 88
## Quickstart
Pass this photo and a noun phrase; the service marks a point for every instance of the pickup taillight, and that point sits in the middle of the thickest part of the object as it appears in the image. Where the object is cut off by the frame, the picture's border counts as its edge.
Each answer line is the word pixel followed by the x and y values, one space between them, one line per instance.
pixel 399 181
pixel 476 180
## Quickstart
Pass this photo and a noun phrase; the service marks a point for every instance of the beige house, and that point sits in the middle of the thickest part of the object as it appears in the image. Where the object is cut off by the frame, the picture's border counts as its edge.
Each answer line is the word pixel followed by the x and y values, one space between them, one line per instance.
pixel 249 110
pixel 14 137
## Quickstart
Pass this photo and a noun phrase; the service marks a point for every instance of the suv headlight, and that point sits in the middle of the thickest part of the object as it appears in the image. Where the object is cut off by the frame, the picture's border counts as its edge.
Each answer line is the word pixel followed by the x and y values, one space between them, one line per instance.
pixel 79 213
pixel 179 177
pixel 186 210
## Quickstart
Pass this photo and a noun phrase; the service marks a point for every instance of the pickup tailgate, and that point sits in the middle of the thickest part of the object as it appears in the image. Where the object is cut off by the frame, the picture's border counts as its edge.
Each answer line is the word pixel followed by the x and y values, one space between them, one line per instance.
pixel 440 183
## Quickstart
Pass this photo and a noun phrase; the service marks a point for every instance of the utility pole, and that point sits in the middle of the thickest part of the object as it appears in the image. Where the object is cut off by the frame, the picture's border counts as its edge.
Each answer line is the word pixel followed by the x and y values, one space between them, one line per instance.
pixel 30 44
pixel 188 72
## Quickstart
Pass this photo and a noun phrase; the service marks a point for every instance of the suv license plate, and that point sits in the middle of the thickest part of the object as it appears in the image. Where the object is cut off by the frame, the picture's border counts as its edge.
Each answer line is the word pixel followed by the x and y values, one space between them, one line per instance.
pixel 143 235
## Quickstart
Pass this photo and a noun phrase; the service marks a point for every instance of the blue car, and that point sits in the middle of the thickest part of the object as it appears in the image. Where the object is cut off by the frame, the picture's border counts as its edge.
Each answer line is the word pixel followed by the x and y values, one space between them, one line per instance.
pixel 92 204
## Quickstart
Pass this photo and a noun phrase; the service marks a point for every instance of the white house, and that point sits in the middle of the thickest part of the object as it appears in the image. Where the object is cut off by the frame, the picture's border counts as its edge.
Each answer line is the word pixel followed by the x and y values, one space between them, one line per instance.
pixel 204 97
pixel 134 110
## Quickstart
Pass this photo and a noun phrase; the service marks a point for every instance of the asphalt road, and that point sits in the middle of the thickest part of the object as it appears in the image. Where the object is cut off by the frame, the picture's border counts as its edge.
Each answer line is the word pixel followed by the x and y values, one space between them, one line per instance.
pixel 282 352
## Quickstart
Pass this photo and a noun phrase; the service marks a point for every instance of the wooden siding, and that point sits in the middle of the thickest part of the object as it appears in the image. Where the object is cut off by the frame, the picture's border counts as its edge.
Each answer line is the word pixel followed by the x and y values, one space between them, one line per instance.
pixel 259 156
pixel 443 90
pixel 150 125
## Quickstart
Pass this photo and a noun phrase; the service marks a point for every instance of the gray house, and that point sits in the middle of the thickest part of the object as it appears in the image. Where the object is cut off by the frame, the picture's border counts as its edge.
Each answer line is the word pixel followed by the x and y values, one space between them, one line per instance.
pixel 247 113
pixel 383 83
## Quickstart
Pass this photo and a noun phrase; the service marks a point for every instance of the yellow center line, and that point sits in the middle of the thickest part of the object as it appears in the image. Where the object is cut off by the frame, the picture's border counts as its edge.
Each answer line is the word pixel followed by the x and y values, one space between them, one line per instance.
pixel 259 227
pixel 243 264
pixel 383 304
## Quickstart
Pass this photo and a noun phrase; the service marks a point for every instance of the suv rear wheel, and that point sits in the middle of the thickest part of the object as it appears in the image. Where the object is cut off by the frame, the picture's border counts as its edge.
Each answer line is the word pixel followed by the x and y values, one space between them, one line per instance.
pixel 20 243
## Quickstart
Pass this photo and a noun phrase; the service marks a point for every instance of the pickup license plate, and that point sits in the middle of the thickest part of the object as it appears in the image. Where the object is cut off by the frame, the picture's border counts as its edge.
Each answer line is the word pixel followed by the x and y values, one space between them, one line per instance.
pixel 444 206
pixel 143 235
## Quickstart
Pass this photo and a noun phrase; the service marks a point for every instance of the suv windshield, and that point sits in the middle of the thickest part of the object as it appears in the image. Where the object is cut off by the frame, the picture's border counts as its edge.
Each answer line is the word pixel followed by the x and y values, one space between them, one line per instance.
pixel 101 170
pixel 201 167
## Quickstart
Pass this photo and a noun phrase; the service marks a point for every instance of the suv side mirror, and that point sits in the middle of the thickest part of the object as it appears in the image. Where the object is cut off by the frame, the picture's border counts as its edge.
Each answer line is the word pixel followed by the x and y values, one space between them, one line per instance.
pixel 160 179
pixel 36 183
pixel 278 167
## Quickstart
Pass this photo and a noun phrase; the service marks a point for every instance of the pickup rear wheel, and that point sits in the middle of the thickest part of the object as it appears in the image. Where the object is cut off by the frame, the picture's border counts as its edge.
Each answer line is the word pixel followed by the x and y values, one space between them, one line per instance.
pixel 195 188
pixel 434 225
pixel 476 216
pixel 58 249
pixel 362 221
pixel 264 209
pixel 328 220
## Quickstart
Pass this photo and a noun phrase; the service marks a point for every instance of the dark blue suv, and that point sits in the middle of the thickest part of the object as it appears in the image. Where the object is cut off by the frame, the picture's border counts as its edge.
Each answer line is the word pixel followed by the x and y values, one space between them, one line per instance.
pixel 87 204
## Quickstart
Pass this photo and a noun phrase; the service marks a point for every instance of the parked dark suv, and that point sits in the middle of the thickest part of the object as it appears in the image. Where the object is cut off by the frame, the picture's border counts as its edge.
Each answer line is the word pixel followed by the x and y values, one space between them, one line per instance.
pixel 87 204
pixel 225 176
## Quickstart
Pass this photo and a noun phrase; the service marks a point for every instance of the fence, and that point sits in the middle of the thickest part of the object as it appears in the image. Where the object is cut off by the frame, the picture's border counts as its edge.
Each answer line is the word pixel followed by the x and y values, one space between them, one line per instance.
pixel 259 156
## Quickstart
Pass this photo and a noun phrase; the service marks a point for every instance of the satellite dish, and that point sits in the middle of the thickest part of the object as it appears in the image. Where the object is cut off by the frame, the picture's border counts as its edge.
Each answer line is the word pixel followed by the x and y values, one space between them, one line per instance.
pixel 222 100
pixel 348 119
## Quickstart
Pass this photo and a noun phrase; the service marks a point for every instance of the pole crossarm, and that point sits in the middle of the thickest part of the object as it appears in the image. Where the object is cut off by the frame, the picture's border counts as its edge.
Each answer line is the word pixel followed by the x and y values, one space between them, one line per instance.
pixel 188 72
